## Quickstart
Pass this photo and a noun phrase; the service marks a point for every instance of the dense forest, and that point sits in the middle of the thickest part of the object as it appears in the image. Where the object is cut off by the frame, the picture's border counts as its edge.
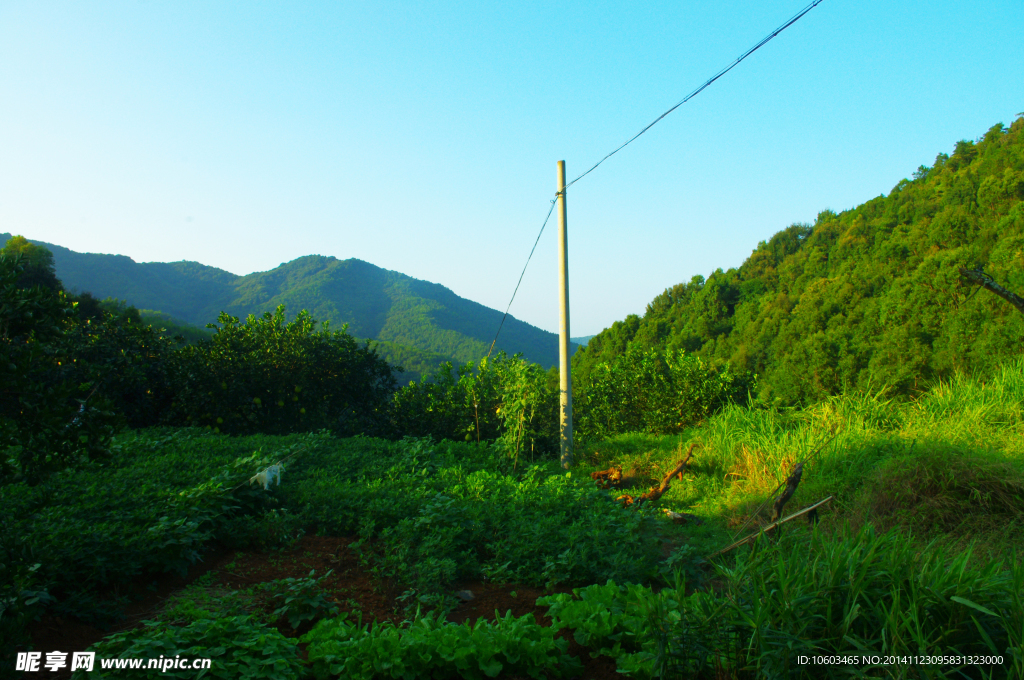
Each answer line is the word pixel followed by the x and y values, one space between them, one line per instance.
pixel 870 298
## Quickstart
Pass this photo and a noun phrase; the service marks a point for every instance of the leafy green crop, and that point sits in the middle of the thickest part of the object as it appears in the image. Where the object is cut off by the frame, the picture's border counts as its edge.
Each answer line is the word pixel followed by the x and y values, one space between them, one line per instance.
pixel 238 646
pixel 153 508
pixel 299 599
pixel 542 527
pixel 432 648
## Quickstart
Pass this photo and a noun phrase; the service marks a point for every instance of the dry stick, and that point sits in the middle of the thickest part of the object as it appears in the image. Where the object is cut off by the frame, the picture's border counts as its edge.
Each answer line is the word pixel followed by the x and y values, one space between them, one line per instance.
pixel 791 484
pixel 768 528
pixel 980 278
pixel 776 489
pixel 656 491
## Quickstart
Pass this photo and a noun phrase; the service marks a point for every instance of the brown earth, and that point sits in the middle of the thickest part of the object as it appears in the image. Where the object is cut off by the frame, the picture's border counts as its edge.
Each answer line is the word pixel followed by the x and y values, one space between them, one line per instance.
pixel 350 587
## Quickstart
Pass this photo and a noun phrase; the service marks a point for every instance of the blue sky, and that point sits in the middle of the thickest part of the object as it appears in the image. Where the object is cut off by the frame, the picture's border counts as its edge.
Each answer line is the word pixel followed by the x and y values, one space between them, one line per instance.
pixel 423 137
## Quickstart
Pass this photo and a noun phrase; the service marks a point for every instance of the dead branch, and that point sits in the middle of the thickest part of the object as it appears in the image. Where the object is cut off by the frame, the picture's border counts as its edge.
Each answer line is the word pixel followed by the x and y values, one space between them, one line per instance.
pixel 791 484
pixel 770 527
pixel 656 491
pixel 612 477
pixel 980 278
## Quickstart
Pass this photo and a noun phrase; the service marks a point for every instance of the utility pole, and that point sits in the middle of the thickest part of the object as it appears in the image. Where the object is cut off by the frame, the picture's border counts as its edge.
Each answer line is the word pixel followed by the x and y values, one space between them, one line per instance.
pixel 564 368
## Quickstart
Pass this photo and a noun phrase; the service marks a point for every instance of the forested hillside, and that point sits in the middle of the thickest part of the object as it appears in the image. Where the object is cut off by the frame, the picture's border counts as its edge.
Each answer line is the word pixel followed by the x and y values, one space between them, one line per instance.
pixel 419 324
pixel 867 298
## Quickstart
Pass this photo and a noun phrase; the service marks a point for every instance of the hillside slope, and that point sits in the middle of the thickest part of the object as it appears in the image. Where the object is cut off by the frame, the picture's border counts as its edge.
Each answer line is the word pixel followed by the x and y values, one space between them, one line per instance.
pixel 867 298
pixel 418 323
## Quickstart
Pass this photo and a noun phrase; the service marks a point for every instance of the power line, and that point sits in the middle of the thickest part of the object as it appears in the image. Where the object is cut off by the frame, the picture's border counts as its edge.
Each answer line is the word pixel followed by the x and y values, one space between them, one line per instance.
pixel 550 210
pixel 796 17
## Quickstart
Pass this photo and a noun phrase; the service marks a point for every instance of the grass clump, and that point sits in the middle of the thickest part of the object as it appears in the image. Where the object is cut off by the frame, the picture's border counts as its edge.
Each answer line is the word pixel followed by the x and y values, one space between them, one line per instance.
pixel 855 593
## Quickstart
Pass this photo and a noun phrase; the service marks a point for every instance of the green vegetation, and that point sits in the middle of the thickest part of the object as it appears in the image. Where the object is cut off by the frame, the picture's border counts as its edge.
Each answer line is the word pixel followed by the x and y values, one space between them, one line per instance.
pixel 852 349
pixel 46 419
pixel 270 376
pixel 169 327
pixel 865 299
pixel 432 648
pixel 418 324
pixel 238 646
pixel 852 595
pixel 299 599
pixel 947 466
pixel 938 576
pixel 648 391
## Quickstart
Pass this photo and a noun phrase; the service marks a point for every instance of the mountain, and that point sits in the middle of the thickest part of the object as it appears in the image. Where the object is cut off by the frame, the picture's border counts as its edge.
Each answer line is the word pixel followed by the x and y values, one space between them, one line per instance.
pixel 868 298
pixel 582 341
pixel 417 323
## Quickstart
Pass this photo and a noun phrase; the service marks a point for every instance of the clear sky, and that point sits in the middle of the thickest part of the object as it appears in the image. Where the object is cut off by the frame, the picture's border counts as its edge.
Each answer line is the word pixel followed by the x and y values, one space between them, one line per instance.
pixel 423 137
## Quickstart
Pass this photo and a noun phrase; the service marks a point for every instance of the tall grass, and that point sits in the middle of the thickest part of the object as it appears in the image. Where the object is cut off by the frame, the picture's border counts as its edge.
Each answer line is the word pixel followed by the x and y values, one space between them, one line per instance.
pixel 854 594
pixel 983 414
pixel 949 464
pixel 858 593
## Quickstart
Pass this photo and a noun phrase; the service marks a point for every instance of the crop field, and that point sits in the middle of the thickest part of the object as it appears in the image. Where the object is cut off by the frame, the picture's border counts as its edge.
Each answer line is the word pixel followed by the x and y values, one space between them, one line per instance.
pixel 314 556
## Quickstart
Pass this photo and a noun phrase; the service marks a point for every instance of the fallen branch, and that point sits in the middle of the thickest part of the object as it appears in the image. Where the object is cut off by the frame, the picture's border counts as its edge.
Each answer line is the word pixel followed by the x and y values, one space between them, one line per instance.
pixel 773 525
pixel 612 477
pixel 656 491
pixel 980 278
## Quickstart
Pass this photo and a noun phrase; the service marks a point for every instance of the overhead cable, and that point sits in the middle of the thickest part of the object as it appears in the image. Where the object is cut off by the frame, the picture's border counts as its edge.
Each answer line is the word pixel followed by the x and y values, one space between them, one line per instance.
pixel 780 29
pixel 550 210
pixel 796 17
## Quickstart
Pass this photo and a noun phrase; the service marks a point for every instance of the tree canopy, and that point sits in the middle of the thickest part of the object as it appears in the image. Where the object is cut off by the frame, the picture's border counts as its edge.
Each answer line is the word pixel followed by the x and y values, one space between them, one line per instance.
pixel 864 299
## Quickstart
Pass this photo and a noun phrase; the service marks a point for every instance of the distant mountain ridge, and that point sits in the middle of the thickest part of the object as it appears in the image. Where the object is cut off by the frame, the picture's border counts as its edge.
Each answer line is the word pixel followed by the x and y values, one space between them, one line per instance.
pixel 418 322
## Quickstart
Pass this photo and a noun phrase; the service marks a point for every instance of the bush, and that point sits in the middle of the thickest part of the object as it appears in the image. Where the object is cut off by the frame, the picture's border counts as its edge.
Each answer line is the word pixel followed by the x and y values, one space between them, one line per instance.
pixel 273 377
pixel 653 392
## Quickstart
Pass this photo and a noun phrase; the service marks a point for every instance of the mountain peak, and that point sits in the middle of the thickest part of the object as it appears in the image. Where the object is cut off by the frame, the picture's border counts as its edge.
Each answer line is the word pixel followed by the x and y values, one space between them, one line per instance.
pixel 418 322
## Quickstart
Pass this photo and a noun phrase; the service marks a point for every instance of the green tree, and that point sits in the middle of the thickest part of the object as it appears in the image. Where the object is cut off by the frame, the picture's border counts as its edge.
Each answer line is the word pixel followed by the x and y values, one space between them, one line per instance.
pixel 37 268
pixel 49 418
pixel 129 363
pixel 868 298
pixel 274 377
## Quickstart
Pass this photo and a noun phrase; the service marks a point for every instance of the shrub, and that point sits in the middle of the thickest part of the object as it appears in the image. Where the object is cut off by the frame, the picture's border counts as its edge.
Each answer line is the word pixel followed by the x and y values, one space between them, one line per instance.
pixel 274 377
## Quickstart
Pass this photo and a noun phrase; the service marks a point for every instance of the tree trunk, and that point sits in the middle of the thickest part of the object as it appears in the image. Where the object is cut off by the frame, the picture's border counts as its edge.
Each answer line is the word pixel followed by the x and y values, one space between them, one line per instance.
pixel 980 278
